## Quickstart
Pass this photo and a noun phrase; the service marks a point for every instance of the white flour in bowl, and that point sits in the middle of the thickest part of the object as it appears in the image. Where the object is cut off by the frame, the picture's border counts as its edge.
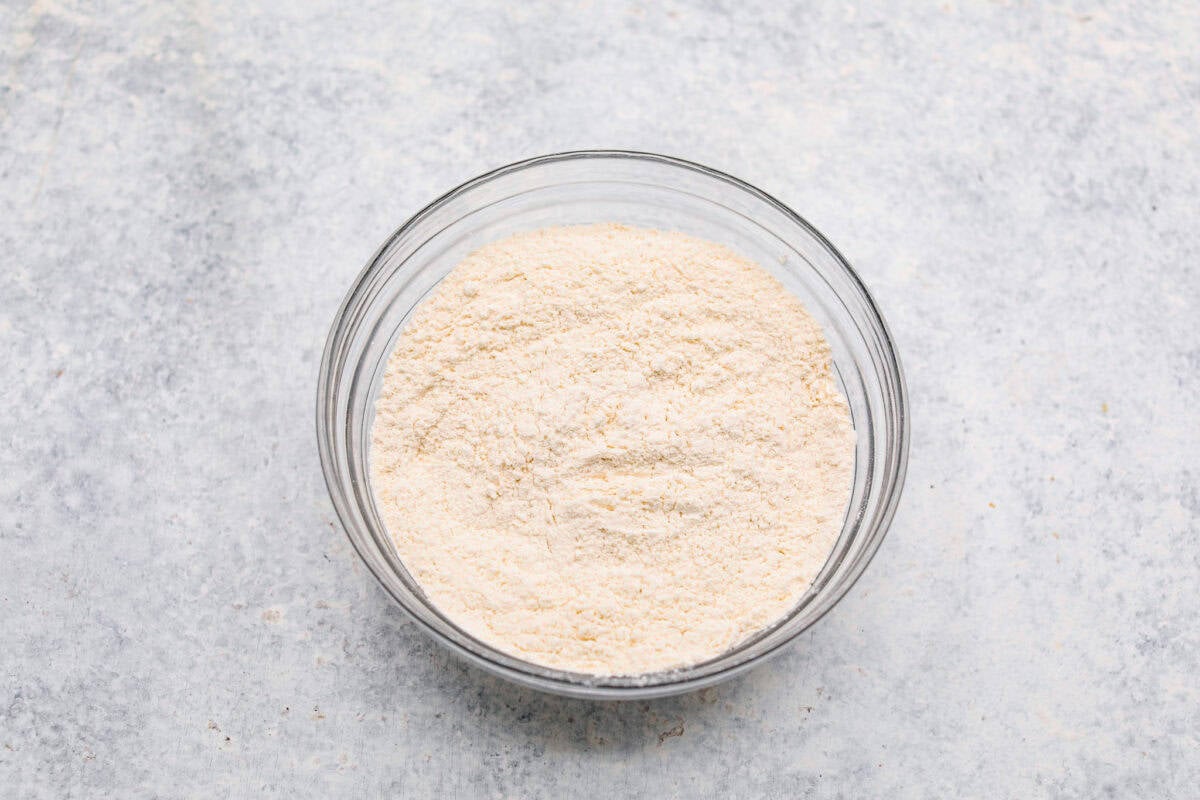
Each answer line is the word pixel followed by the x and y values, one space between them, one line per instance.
pixel 612 450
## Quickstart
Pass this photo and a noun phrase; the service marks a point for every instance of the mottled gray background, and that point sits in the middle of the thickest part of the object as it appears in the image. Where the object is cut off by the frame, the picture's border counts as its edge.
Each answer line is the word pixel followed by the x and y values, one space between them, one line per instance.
pixel 189 188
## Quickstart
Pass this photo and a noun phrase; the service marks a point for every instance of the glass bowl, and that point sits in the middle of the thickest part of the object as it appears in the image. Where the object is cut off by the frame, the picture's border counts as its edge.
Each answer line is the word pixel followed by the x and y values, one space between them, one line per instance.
pixel 644 190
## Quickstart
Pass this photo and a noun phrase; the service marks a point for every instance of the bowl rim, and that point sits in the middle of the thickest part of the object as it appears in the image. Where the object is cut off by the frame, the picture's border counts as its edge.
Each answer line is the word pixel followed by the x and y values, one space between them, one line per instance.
pixel 895 465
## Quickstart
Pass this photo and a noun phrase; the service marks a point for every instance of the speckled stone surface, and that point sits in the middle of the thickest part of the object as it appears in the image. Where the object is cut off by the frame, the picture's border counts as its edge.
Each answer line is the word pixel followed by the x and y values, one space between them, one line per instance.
pixel 187 190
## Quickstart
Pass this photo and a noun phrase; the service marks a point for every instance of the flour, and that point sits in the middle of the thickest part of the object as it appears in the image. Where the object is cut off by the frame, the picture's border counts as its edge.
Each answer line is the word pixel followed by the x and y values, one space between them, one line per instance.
pixel 612 450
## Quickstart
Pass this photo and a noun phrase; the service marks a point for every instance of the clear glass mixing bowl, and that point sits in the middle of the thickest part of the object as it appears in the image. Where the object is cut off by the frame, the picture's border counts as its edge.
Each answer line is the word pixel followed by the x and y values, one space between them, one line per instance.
pixel 638 189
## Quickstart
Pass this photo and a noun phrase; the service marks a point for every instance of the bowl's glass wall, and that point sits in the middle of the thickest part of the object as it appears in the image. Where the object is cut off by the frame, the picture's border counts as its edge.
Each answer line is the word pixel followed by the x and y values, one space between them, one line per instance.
pixel 642 190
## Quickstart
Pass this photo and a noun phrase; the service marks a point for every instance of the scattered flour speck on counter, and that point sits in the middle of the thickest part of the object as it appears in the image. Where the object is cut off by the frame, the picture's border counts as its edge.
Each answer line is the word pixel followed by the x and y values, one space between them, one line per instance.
pixel 612 450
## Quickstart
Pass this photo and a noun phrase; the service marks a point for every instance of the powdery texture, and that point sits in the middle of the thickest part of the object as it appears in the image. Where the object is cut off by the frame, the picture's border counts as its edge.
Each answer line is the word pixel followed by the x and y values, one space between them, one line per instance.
pixel 612 450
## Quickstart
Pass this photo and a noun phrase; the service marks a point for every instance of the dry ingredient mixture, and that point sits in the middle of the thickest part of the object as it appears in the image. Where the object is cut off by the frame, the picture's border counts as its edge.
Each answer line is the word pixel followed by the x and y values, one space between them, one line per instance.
pixel 612 450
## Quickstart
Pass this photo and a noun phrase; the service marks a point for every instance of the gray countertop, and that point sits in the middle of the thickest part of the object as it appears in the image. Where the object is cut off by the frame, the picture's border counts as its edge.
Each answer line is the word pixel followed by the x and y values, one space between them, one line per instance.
pixel 188 190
